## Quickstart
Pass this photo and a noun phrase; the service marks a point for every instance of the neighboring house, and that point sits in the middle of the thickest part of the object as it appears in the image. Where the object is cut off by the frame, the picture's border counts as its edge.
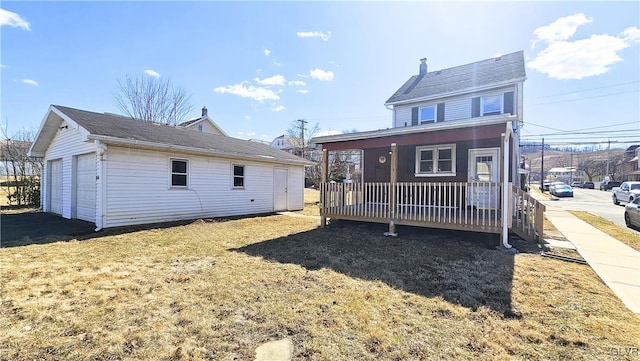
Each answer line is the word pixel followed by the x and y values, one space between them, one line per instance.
pixel 116 171
pixel 565 174
pixel 203 124
pixel 631 171
pixel 284 142
pixel 451 158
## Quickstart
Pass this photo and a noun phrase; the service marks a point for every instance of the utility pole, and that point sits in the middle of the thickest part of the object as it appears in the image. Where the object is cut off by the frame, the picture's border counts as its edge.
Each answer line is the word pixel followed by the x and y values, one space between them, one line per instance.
pixel 542 168
pixel 571 169
pixel 302 123
pixel 606 176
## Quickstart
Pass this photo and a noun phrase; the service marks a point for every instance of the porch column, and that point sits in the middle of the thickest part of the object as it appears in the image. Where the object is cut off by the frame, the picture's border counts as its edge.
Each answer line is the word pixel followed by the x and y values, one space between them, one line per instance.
pixel 392 190
pixel 323 184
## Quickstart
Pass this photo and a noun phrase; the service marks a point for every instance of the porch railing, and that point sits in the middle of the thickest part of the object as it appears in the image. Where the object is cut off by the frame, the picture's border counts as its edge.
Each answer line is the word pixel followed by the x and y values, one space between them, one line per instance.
pixel 453 205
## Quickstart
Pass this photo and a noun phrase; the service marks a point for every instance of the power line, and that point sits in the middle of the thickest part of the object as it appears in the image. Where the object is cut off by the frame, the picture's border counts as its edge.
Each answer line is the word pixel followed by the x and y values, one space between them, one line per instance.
pixel 588 133
pixel 586 90
pixel 595 96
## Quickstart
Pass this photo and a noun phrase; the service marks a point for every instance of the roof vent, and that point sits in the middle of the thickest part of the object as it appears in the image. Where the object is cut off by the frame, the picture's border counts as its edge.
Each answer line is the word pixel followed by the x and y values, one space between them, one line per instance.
pixel 423 66
pixel 204 111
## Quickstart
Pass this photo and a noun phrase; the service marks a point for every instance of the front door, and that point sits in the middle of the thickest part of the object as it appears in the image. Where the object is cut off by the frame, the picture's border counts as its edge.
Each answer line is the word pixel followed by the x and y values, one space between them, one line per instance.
pixel 280 189
pixel 484 174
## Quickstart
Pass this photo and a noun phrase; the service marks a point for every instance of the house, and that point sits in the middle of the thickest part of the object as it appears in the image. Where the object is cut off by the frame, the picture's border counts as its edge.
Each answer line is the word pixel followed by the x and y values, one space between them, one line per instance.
pixel 203 124
pixel 115 171
pixel 451 158
pixel 631 165
pixel 565 174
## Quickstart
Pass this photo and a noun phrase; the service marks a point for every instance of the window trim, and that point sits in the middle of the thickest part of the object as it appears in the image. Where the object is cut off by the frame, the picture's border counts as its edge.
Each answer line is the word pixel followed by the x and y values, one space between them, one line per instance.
pixel 233 175
pixel 498 112
pixel 171 173
pixel 435 114
pixel 435 149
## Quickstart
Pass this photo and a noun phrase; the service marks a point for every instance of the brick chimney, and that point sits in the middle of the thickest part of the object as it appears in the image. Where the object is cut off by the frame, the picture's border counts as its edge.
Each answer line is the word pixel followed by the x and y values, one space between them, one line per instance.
pixel 423 66
pixel 204 111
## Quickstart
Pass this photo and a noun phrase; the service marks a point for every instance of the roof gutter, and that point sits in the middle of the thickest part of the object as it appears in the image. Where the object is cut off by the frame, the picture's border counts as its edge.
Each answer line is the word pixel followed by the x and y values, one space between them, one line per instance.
pixel 425 128
pixel 179 148
pixel 458 92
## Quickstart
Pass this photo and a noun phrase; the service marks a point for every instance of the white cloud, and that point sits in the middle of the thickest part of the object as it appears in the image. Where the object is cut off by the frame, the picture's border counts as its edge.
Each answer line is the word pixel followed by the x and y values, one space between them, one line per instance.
pixel 565 59
pixel 277 108
pixel 296 83
pixel 259 94
pixel 303 91
pixel 13 20
pixel 30 82
pixel 247 135
pixel 267 52
pixel 314 34
pixel 246 117
pixel 3 66
pixel 276 63
pixel 321 74
pixel 274 80
pixel 152 73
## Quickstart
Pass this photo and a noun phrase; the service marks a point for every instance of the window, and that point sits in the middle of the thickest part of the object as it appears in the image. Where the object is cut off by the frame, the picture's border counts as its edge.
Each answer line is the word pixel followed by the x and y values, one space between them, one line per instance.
pixel 492 105
pixel 238 176
pixel 436 160
pixel 179 168
pixel 200 128
pixel 427 115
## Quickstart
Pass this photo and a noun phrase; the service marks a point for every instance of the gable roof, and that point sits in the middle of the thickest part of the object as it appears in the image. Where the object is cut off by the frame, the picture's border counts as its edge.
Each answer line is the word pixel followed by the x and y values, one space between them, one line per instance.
pixel 191 122
pixel 505 69
pixel 116 129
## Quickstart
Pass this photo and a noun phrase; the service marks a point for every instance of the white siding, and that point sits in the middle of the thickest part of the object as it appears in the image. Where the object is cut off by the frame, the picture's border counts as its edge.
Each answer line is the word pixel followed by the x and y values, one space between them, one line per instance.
pixel 138 189
pixel 67 143
pixel 207 127
pixel 456 108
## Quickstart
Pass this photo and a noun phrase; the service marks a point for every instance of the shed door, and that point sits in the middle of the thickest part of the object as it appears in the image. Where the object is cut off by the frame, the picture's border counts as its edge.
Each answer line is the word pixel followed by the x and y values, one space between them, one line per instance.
pixel 86 187
pixel 280 189
pixel 55 186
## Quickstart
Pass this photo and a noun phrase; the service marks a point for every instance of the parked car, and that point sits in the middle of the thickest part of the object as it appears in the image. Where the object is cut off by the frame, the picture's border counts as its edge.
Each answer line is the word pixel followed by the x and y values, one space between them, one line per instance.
pixel 552 185
pixel 588 185
pixel 561 190
pixel 626 193
pixel 576 184
pixel 632 213
pixel 609 185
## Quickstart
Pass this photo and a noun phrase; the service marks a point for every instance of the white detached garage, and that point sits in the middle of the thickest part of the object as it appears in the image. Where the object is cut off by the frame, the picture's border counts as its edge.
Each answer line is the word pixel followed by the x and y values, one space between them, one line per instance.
pixel 115 171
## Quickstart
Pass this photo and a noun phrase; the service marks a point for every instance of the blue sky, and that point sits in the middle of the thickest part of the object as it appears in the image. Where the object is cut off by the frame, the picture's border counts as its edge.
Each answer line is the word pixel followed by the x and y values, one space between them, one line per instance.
pixel 258 66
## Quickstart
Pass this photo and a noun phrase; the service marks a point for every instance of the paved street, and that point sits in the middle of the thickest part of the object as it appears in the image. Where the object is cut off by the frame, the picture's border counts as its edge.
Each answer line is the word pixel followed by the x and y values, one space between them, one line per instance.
pixel 594 201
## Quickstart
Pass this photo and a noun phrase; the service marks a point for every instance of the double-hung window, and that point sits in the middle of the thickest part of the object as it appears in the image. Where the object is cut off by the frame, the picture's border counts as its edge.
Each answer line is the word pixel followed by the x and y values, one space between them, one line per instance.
pixel 427 114
pixel 491 105
pixel 179 173
pixel 238 176
pixel 439 160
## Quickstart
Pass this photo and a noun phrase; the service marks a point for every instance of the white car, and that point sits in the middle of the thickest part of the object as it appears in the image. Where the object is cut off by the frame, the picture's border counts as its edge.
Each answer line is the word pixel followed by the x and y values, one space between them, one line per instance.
pixel 626 193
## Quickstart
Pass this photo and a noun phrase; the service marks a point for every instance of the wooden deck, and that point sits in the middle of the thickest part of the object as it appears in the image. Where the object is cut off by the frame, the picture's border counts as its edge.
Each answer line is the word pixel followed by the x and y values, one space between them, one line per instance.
pixel 464 206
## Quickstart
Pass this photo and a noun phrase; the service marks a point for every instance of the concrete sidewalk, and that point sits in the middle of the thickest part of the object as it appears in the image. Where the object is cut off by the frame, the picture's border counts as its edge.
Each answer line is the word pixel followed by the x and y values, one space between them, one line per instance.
pixel 617 264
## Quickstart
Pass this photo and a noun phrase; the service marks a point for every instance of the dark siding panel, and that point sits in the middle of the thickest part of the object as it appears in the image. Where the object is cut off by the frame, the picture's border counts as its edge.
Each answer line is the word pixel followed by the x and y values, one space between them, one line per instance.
pixel 508 103
pixel 440 116
pixel 414 115
pixel 475 107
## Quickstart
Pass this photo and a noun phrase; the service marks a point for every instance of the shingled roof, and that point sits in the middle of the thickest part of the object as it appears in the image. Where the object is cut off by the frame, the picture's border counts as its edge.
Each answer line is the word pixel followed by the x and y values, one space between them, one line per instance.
pixel 503 69
pixel 119 129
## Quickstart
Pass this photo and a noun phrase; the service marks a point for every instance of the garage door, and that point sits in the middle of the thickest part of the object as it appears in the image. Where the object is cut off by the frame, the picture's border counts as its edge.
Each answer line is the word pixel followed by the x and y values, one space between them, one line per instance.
pixel 86 187
pixel 55 186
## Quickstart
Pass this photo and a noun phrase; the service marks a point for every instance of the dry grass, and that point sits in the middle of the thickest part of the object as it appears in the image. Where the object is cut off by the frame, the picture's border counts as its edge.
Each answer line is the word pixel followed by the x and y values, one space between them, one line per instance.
pixel 626 236
pixel 215 290
pixel 311 201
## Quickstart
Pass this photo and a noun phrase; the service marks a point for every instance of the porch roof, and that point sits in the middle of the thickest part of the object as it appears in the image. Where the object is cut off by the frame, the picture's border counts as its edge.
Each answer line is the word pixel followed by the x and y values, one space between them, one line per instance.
pixel 455 130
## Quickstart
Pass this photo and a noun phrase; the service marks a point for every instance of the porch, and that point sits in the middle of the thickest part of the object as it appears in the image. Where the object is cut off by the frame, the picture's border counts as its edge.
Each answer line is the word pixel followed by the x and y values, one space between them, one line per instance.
pixel 467 206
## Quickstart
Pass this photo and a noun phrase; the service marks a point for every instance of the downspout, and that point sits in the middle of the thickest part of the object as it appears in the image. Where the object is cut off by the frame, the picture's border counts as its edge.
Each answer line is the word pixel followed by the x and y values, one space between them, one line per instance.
pixel 505 189
pixel 393 115
pixel 100 175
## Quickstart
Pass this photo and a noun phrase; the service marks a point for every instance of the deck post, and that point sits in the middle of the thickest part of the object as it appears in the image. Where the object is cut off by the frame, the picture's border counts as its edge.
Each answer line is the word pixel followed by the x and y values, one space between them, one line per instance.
pixel 392 191
pixel 323 182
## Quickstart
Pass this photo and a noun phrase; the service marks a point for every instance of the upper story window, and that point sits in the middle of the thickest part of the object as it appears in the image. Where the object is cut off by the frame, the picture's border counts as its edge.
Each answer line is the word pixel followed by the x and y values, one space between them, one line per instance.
pixel 238 176
pixel 200 128
pixel 427 115
pixel 179 172
pixel 432 161
pixel 491 105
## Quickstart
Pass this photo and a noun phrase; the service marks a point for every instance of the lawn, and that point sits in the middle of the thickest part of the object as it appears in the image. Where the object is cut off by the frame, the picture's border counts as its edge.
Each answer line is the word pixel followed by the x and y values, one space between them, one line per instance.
pixel 217 289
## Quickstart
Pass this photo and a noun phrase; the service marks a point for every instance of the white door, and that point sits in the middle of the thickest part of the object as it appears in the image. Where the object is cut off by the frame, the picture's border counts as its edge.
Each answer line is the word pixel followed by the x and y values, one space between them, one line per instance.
pixel 280 189
pixel 484 173
pixel 55 186
pixel 86 187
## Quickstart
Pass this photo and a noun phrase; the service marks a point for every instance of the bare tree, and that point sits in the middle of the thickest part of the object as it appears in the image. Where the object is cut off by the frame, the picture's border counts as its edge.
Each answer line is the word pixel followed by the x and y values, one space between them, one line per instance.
pixel 22 172
pixel 153 99
pixel 299 136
